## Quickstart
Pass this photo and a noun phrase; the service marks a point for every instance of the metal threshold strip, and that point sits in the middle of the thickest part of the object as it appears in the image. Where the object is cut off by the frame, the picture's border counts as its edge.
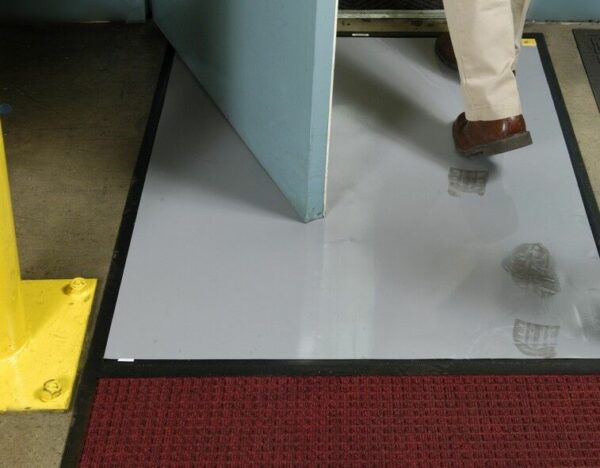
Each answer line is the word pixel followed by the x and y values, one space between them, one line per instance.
pixel 392 14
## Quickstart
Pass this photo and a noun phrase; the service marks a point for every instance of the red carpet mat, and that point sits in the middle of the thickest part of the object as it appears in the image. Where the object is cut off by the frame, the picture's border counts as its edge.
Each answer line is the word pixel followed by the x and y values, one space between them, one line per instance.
pixel 375 421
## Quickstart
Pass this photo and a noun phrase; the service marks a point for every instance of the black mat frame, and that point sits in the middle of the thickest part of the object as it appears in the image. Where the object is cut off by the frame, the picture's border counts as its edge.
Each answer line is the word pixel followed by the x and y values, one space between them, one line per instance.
pixel 97 367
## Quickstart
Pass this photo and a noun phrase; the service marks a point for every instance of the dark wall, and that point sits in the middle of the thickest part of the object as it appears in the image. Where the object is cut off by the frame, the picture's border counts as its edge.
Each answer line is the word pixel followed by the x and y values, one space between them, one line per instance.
pixel 132 11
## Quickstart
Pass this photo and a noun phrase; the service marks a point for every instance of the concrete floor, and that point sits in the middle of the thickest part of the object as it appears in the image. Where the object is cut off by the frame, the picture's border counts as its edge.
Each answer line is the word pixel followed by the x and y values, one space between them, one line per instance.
pixel 81 96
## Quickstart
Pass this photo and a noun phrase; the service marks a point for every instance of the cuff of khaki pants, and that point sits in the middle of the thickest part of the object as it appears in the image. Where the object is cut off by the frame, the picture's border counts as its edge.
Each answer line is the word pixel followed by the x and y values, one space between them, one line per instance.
pixel 487 113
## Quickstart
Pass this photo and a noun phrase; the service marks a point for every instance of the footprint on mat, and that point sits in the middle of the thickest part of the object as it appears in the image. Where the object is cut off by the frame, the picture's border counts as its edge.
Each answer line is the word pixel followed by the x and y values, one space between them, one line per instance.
pixel 531 268
pixel 467 181
pixel 535 340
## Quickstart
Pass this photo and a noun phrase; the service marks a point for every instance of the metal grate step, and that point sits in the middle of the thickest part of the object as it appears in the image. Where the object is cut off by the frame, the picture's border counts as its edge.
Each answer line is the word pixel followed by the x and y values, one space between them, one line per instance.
pixel 391 5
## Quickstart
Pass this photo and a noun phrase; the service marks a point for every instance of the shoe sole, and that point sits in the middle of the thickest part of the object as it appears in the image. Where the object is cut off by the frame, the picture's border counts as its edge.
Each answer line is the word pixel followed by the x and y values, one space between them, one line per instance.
pixel 442 58
pixel 520 140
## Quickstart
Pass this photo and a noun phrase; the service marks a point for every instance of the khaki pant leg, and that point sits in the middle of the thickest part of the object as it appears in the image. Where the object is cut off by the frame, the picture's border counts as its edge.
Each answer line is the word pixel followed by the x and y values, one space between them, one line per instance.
pixel 483 34
pixel 520 9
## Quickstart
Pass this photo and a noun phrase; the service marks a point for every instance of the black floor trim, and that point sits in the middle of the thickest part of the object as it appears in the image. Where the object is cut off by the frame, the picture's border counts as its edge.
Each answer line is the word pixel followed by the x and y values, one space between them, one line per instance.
pixel 97 367
pixel 93 367
pixel 430 367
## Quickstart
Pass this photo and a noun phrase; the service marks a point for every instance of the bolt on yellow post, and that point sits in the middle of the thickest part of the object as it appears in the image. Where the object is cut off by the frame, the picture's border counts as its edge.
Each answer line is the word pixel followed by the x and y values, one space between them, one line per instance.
pixel 42 325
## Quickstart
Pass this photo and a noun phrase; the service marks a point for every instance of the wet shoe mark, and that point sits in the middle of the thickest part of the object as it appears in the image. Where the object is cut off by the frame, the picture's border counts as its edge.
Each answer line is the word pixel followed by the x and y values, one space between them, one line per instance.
pixel 535 340
pixel 531 268
pixel 462 181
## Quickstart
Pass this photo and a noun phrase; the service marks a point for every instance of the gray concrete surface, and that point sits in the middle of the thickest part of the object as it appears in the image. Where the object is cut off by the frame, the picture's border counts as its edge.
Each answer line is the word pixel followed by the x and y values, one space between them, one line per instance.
pixel 81 95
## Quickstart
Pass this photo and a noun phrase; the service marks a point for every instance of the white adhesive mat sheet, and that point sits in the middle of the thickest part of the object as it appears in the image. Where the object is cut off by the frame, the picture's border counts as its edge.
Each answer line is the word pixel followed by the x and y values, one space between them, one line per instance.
pixel 423 254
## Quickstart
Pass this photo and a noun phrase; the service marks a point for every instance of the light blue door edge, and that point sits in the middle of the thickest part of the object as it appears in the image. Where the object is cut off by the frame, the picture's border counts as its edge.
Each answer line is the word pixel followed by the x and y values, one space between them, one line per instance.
pixel 321 106
pixel 268 65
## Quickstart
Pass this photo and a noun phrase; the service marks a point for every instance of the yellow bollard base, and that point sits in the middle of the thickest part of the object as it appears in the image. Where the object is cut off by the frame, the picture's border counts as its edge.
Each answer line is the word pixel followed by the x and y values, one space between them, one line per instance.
pixel 41 375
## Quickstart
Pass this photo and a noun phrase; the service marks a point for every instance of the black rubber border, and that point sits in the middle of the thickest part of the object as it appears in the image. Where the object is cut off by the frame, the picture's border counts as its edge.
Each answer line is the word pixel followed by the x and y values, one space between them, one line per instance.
pixel 92 370
pixel 348 367
pixel 97 367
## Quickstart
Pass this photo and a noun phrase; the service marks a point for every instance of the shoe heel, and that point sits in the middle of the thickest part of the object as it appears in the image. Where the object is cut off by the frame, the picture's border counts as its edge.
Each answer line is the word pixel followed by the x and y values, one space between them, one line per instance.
pixel 515 142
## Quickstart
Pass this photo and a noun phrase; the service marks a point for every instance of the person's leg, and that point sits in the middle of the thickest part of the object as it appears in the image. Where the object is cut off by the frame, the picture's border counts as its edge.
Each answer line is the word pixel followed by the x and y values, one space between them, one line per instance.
pixel 445 50
pixel 483 35
pixel 519 9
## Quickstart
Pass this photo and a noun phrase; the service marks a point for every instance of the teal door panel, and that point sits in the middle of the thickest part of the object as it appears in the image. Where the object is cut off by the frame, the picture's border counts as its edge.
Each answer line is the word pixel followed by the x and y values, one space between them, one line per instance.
pixel 565 10
pixel 73 10
pixel 268 65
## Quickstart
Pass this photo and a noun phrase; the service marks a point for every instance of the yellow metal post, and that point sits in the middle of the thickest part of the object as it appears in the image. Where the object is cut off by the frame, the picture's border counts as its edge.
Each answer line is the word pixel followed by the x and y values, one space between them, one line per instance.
pixel 13 330
pixel 42 324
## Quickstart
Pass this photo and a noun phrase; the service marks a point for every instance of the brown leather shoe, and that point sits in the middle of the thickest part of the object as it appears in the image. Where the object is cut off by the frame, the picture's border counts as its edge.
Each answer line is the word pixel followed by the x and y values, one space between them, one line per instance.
pixel 487 138
pixel 445 51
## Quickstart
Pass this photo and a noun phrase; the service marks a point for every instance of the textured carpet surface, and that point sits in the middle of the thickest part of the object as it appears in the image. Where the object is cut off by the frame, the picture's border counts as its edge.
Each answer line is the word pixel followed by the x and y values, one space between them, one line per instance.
pixel 344 421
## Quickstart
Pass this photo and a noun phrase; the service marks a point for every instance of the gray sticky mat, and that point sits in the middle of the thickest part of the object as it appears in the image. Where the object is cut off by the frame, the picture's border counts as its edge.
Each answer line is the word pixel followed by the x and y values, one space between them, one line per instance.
pixel 423 254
